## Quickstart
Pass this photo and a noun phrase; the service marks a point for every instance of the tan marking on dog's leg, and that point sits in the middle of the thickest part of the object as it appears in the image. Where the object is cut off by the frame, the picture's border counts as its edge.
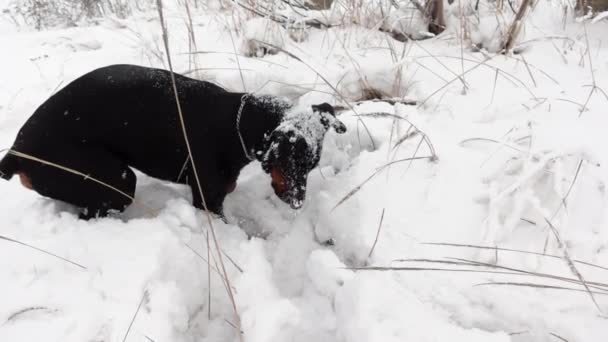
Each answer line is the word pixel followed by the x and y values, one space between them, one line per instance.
pixel 231 186
pixel 25 180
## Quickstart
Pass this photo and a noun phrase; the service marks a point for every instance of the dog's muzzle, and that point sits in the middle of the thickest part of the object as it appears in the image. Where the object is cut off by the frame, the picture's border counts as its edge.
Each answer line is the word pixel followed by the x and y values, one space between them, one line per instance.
pixel 292 193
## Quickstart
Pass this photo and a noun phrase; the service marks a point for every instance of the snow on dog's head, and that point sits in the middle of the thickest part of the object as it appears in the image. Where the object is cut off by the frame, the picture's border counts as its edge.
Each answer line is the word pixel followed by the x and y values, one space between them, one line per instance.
pixel 294 149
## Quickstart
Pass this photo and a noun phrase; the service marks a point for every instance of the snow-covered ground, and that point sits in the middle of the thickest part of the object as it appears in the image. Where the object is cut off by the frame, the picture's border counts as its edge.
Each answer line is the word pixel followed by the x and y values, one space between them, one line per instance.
pixel 518 143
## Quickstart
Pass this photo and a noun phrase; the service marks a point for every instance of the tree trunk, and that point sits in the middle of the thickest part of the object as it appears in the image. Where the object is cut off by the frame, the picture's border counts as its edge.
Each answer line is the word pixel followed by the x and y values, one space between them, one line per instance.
pixel 437 23
pixel 599 5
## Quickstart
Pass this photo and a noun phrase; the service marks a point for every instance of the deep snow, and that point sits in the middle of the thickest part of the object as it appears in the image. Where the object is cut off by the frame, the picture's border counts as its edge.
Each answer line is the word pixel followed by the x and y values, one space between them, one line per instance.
pixel 508 147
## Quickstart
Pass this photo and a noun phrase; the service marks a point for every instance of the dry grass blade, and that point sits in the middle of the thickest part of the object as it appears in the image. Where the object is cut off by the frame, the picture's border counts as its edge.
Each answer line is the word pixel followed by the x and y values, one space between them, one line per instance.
pixel 454 80
pixel 42 251
pixel 580 105
pixel 547 75
pixel 510 270
pixel 589 53
pixel 194 169
pixel 415 153
pixel 598 89
pixel 83 175
pixel 391 101
pixel 529 71
pixel 377 234
pixel 205 260
pixel 192 71
pixel 511 250
pixel 209 267
pixel 296 86
pixel 192 37
pixel 380 115
pixel 504 270
pixel 380 169
pixel 239 268
pixel 492 141
pixel 459 77
pixel 209 275
pixel 234 326
pixel 431 71
pixel 239 55
pixel 436 261
pixel 571 265
pixel 558 337
pixel 141 302
pixel 460 270
pixel 409 134
pixel 595 285
pixel 578 170
pixel 15 315
pixel 238 61
pixel 426 138
pixel 594 84
pixel 411 131
pixel 539 286
pixel 584 108
pixel 494 87
pixel 507 76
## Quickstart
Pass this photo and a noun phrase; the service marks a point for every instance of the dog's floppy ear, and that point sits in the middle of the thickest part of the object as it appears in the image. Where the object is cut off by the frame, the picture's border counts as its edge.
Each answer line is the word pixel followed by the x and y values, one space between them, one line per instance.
pixel 329 120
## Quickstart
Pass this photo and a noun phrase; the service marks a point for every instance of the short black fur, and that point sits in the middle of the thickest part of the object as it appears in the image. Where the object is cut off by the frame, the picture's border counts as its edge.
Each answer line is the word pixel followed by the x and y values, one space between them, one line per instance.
pixel 124 116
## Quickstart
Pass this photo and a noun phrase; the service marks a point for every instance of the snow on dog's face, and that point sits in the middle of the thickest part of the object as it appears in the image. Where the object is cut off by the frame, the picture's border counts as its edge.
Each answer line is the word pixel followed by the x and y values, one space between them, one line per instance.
pixel 294 149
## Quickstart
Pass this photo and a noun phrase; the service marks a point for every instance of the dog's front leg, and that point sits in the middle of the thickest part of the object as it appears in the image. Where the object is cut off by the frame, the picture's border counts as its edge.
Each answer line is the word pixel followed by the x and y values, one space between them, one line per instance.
pixel 214 195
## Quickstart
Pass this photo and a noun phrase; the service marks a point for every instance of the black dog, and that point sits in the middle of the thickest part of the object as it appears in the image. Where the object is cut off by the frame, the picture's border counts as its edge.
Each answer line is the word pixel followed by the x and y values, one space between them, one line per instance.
pixel 123 116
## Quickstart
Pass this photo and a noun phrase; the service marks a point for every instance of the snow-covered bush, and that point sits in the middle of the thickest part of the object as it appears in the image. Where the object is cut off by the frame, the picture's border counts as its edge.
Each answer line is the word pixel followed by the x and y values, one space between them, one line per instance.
pixel 373 82
pixel 397 17
pixel 42 14
pixel 262 36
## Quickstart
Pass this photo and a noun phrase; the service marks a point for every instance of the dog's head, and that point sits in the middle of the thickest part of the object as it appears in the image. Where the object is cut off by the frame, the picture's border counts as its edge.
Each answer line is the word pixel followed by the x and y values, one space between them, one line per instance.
pixel 294 149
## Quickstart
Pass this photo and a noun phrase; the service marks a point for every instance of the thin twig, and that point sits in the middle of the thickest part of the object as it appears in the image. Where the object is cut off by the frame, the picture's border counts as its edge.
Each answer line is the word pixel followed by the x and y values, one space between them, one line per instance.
pixel 539 286
pixel 380 169
pixel 493 141
pixel 528 68
pixel 85 176
pixel 377 234
pixel 571 265
pixel 238 62
pixel 558 337
pixel 14 315
pixel 141 302
pixel 198 182
pixel 42 251
pixel 511 250
pixel 596 285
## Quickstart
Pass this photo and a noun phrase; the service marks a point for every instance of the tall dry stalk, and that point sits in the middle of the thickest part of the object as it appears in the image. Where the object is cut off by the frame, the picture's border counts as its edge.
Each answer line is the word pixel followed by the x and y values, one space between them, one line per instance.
pixel 194 170
pixel 517 25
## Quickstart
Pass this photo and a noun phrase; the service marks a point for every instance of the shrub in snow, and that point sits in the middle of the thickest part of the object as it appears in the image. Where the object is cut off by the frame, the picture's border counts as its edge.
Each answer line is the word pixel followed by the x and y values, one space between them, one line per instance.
pixel 398 17
pixel 262 36
pixel 485 24
pixel 407 20
pixel 373 82
pixel 298 31
pixel 52 13
pixel 489 24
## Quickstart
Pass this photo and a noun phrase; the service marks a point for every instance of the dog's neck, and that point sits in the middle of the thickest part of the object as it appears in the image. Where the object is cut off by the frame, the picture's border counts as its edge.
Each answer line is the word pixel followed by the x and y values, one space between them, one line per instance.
pixel 260 115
